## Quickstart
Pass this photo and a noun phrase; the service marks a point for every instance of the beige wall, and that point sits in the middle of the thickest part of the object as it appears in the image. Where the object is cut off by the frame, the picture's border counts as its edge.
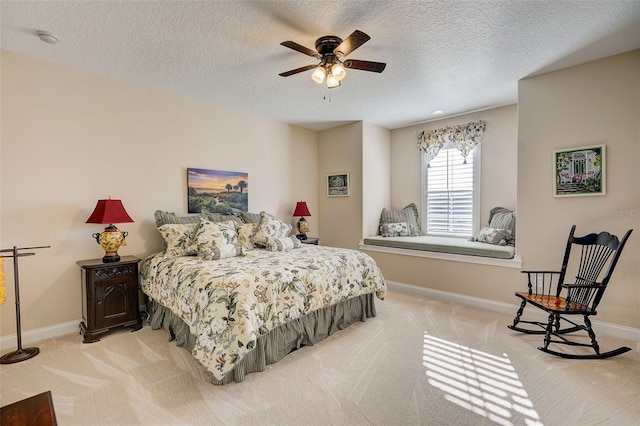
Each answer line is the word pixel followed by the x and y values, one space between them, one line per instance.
pixel 499 153
pixel 594 103
pixel 70 138
pixel 340 218
pixel 498 188
pixel 376 169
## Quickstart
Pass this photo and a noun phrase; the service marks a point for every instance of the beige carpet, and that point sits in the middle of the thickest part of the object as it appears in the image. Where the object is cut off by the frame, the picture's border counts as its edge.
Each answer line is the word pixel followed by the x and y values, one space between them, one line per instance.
pixel 418 362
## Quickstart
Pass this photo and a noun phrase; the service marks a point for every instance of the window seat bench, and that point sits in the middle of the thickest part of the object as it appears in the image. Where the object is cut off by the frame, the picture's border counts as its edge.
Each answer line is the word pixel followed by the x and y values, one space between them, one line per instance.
pixel 443 245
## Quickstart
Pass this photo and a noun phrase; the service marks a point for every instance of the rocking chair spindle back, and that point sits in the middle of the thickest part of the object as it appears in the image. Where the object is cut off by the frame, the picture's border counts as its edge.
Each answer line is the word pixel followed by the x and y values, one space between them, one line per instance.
pixel 548 291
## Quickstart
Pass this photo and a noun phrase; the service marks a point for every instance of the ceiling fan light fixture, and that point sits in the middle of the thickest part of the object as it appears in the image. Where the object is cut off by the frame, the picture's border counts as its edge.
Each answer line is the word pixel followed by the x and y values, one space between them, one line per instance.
pixel 332 81
pixel 319 74
pixel 331 50
pixel 338 71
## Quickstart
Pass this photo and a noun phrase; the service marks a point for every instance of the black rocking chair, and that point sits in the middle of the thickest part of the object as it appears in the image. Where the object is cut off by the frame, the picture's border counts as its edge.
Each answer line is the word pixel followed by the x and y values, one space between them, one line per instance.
pixel 562 301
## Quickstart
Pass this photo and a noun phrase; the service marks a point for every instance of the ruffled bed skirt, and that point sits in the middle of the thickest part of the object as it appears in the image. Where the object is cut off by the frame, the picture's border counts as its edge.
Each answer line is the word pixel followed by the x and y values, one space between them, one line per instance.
pixel 276 344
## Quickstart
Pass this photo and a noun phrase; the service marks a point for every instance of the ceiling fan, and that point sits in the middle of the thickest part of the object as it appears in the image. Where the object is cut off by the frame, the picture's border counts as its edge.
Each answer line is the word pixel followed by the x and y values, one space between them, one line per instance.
pixel 331 50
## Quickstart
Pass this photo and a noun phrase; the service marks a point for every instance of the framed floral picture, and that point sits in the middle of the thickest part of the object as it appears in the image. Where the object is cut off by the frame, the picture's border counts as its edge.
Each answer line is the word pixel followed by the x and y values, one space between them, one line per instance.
pixel 579 171
pixel 338 185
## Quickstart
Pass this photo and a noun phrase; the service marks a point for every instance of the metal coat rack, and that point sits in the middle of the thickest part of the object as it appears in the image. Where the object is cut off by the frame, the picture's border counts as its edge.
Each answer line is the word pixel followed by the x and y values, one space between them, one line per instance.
pixel 20 354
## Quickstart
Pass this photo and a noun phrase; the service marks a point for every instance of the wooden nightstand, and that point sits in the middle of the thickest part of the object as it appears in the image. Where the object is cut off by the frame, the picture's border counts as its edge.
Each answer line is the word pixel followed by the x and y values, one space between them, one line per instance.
pixel 310 240
pixel 109 296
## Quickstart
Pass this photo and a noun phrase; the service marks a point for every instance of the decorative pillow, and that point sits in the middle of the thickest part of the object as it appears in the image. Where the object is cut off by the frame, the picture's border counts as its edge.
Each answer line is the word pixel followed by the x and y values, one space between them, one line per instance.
pixel 492 236
pixel 501 218
pixel 219 217
pixel 245 234
pixel 221 251
pixel 397 229
pixel 166 218
pixel 250 217
pixel 409 215
pixel 211 234
pixel 270 227
pixel 177 238
pixel 282 244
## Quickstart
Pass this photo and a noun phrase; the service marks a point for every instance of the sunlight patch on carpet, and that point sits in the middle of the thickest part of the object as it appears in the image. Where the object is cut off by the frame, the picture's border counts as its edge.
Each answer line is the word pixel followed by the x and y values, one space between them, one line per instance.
pixel 480 382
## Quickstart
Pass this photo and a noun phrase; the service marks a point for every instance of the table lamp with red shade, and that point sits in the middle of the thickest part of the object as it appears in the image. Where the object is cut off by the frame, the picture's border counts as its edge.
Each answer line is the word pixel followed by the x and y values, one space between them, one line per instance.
pixel 110 212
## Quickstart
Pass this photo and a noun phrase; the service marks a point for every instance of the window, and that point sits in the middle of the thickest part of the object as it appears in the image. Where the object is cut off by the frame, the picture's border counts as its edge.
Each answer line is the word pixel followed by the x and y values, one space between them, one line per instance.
pixel 451 193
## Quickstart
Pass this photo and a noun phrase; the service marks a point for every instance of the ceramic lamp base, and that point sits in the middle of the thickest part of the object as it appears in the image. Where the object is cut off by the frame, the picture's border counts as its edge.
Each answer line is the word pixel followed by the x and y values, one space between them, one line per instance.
pixel 110 240
pixel 303 227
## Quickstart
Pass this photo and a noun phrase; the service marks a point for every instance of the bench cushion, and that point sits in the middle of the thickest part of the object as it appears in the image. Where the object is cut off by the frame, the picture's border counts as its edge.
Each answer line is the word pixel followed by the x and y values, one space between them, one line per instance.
pixel 444 245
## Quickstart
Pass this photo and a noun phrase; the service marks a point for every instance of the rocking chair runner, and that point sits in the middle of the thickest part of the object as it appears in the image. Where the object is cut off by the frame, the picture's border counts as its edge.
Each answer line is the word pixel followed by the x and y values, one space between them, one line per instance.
pixel 562 301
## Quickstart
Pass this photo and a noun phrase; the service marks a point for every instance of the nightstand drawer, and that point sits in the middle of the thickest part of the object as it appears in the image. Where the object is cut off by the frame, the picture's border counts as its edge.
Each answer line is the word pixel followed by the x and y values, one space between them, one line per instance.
pixel 113 272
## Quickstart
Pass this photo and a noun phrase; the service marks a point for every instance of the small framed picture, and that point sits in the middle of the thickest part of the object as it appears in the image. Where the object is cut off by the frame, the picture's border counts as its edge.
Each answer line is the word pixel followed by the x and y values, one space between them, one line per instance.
pixel 338 185
pixel 579 171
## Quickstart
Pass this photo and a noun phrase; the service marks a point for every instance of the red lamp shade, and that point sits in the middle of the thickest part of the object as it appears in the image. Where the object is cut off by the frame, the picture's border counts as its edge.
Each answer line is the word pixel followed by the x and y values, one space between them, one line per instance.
pixel 301 209
pixel 109 211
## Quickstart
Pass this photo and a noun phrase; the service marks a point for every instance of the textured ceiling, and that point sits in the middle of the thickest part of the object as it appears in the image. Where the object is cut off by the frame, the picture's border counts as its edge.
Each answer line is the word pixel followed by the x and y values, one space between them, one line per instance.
pixel 455 56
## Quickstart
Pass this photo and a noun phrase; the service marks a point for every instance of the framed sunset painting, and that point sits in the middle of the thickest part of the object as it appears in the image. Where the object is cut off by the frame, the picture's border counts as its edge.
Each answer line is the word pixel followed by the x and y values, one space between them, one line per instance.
pixel 217 191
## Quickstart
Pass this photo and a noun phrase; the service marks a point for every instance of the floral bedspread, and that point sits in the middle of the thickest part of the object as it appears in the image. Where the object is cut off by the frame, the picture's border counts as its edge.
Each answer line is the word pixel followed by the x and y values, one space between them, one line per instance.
pixel 228 303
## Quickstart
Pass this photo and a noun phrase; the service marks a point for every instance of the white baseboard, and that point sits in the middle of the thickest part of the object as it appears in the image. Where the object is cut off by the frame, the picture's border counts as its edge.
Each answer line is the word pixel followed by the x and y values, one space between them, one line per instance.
pixel 615 330
pixel 31 336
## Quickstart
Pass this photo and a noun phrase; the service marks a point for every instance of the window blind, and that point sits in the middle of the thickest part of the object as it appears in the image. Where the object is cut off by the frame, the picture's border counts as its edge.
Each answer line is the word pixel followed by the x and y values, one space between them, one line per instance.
pixel 450 195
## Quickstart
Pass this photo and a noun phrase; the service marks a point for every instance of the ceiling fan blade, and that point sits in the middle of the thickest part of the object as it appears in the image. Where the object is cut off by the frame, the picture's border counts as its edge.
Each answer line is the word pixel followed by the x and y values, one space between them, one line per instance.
pixel 355 64
pixel 351 43
pixel 297 70
pixel 295 46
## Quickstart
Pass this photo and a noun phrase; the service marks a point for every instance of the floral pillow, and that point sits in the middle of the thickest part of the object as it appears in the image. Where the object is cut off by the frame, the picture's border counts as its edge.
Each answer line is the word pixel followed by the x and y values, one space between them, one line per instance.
pixel 270 227
pixel 396 229
pixel 221 251
pixel 282 244
pixel 211 234
pixel 493 236
pixel 177 238
pixel 245 235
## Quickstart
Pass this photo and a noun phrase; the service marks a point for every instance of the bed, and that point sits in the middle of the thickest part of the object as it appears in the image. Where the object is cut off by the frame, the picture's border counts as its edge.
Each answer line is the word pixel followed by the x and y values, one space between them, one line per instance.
pixel 238 314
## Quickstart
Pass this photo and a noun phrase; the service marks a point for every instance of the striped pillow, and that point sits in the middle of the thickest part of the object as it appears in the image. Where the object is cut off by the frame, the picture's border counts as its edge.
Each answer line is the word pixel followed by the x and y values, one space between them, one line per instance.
pixel 250 217
pixel 170 218
pixel 221 251
pixel 409 215
pixel 219 217
pixel 501 218
pixel 282 244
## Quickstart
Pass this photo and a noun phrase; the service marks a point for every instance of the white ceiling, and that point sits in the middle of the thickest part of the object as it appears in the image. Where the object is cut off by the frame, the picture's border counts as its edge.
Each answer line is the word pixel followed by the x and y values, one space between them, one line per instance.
pixel 456 56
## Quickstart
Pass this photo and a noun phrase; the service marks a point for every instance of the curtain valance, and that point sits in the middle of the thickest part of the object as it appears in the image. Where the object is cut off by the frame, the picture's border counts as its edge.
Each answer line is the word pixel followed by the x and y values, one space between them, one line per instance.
pixel 464 137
